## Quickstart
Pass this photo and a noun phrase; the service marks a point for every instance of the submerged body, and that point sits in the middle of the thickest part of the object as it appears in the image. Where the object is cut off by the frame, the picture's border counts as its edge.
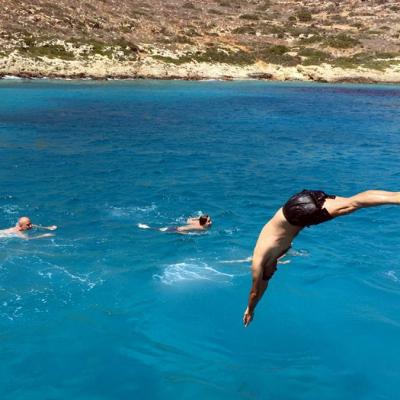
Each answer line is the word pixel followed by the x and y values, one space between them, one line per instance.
pixel 303 209
pixel 193 224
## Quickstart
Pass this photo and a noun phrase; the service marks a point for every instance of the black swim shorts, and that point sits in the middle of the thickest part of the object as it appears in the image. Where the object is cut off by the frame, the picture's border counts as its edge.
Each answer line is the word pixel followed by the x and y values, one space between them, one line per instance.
pixel 306 208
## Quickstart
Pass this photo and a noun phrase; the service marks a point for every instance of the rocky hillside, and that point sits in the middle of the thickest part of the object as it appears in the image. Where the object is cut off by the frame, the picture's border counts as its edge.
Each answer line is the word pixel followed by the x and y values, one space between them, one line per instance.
pixel 188 38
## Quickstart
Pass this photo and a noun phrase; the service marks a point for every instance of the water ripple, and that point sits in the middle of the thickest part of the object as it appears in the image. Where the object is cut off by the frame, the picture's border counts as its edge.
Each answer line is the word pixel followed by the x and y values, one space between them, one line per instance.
pixel 386 281
pixel 192 271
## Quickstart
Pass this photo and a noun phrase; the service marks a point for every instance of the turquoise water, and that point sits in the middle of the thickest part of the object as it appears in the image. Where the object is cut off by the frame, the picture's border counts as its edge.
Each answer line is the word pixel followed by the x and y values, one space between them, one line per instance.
pixel 108 311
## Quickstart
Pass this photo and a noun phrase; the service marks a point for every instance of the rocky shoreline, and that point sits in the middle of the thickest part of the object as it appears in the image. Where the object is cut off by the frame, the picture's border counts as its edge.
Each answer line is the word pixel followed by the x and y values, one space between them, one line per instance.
pixel 103 68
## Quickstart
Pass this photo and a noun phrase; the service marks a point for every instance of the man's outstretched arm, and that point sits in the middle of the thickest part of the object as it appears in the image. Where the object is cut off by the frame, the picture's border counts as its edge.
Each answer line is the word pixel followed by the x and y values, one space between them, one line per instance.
pixel 49 228
pixel 26 237
pixel 261 275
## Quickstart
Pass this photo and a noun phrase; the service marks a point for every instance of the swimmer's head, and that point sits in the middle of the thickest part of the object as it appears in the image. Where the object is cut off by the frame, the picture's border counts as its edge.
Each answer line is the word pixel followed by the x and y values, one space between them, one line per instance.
pixel 205 221
pixel 24 224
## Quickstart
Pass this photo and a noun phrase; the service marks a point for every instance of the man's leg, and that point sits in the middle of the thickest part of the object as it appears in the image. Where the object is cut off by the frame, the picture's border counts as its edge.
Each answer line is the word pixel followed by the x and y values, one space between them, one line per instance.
pixel 371 198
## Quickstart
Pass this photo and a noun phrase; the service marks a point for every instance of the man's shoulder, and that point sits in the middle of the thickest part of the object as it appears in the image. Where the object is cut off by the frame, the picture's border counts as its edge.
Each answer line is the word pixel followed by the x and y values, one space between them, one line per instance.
pixel 9 230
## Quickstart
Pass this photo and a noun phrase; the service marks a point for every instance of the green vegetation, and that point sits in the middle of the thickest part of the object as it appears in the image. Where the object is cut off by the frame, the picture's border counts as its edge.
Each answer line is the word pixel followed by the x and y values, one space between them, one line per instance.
pixel 276 54
pixel 229 3
pixel 304 15
pixel 224 3
pixel 245 30
pixel 31 49
pixel 170 60
pixel 192 32
pixel 183 39
pixel 386 55
pixel 296 31
pixel 315 38
pixel 257 24
pixel 358 25
pixel 212 55
pixel 266 29
pixel 91 7
pixel 130 51
pixel 339 19
pixel 314 56
pixel 252 17
pixel 367 60
pixel 281 55
pixel 215 12
pixel 220 56
pixel 143 5
pixel 189 5
pixel 341 41
pixel 127 28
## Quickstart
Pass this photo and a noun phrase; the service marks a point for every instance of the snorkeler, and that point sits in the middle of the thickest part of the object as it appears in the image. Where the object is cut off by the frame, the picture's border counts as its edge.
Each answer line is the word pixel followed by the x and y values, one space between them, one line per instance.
pixel 24 224
pixel 193 224
pixel 306 208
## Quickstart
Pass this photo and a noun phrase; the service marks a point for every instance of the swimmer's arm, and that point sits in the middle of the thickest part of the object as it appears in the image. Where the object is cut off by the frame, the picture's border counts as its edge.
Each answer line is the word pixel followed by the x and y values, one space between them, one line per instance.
pixel 259 285
pixel 49 228
pixel 192 219
pixel 255 291
pixel 26 237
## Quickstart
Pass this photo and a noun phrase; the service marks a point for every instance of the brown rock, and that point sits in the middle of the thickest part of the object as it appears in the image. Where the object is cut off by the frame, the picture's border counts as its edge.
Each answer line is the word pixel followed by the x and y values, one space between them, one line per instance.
pixel 260 75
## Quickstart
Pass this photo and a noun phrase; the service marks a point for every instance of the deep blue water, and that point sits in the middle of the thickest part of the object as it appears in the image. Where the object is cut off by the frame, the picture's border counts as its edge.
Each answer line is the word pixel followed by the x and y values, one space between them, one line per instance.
pixel 108 311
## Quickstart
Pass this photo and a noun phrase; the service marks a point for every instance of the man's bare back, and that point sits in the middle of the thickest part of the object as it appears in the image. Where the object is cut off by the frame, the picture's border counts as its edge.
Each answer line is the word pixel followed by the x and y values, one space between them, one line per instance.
pixel 303 209
pixel 196 224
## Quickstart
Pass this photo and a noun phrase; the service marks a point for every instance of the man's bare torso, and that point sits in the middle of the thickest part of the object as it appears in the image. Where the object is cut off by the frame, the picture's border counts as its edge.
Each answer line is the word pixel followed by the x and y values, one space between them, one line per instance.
pixel 275 238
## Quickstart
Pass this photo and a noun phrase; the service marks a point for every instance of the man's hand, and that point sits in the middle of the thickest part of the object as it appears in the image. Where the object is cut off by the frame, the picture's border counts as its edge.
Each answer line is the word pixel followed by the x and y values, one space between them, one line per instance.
pixel 247 317
pixel 49 228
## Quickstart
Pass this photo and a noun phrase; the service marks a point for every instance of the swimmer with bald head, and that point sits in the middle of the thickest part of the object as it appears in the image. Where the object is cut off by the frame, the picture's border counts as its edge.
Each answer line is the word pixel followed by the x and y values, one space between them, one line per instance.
pixel 23 225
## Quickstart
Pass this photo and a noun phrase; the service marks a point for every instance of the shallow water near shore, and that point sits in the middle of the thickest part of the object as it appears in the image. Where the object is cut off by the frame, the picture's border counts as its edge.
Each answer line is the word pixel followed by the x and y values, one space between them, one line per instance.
pixel 105 310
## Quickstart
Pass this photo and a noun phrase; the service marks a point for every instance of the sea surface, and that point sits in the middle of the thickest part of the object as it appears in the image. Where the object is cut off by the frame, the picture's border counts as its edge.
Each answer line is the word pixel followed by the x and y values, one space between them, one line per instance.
pixel 105 310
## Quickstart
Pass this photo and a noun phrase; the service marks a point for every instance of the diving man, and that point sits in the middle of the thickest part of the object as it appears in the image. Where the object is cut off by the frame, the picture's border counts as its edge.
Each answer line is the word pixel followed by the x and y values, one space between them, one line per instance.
pixel 309 207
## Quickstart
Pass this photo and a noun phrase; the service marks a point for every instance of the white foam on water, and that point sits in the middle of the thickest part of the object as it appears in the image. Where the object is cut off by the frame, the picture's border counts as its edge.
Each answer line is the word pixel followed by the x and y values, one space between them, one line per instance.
pixel 11 78
pixel 192 271
pixel 298 253
pixel 387 281
pixel 239 261
pixel 81 278
pixel 143 226
pixel 392 275
pixel 249 259
pixel 10 209
pixel 120 212
pixel 145 209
